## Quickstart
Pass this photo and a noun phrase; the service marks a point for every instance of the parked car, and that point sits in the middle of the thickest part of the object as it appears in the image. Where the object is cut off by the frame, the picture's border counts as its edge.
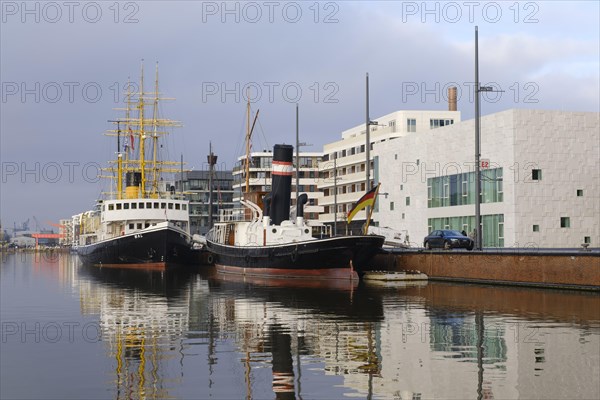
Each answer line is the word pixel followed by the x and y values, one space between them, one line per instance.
pixel 448 239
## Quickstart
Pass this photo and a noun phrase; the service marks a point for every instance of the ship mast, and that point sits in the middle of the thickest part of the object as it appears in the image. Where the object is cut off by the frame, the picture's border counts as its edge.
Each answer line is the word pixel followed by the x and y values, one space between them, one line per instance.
pixel 249 131
pixel 154 193
pixel 142 134
pixel 150 169
pixel 127 126
pixel 247 169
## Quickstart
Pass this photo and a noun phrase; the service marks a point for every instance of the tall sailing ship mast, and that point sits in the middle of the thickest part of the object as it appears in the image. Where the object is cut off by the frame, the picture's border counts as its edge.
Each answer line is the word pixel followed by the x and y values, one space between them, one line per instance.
pixel 140 129
pixel 145 222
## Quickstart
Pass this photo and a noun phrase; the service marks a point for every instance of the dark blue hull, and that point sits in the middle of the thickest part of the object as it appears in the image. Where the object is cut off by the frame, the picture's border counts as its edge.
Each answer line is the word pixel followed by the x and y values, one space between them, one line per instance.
pixel 159 248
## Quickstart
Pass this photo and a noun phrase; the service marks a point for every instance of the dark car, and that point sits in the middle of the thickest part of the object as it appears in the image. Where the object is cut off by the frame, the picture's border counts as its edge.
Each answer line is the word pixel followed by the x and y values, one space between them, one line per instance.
pixel 448 239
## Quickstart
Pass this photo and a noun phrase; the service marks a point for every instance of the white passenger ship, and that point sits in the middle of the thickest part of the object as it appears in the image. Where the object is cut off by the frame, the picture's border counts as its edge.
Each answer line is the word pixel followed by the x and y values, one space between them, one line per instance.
pixel 144 223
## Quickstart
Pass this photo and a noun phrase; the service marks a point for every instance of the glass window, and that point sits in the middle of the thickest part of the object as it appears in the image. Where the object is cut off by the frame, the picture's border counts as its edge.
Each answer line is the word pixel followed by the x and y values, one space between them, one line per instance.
pixel 126 206
pixel 139 225
pixel 111 207
pixel 141 205
pixel 565 222
pixel 391 206
pixel 131 226
pixel 411 125
pixel 170 206
pixel 536 174
pixel 408 201
pixel 536 228
pixel 459 189
pixel 579 192
pixel 148 205
pixel 184 207
pixel 134 206
pixel 587 239
pixel 163 205
pixel 177 206
pixel 155 205
pixel 118 206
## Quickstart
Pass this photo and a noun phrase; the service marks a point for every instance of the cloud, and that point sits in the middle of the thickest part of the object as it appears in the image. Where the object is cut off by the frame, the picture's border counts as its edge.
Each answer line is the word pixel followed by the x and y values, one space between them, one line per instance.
pixel 554 61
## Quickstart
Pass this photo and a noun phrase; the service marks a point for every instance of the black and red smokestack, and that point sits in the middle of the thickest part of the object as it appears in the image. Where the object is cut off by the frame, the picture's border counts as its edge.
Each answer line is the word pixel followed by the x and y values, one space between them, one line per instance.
pixel 281 183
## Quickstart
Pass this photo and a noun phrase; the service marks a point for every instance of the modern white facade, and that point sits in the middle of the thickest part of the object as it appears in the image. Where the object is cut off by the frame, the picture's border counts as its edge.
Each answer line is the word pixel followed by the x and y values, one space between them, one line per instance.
pixel 348 156
pixel 260 178
pixel 541 189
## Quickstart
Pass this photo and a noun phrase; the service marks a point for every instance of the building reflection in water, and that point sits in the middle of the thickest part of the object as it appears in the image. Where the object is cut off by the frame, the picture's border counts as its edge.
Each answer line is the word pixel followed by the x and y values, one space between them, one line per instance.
pixel 262 339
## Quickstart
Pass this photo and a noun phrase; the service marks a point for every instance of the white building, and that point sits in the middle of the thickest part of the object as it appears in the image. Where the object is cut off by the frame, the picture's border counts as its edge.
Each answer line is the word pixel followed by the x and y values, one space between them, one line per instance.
pixel 260 178
pixel 348 156
pixel 541 188
pixel 66 229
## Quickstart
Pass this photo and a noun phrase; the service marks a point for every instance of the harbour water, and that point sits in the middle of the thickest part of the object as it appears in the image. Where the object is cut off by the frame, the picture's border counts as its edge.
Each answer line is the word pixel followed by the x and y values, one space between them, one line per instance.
pixel 71 331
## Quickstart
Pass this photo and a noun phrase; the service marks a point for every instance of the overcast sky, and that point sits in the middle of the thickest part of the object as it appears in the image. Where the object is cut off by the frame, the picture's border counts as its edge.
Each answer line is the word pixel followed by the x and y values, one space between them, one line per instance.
pixel 64 66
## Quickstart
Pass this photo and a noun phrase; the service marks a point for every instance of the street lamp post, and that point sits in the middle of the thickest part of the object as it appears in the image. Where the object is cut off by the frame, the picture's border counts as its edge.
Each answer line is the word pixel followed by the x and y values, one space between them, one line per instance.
pixel 477 149
pixel 368 124
pixel 478 90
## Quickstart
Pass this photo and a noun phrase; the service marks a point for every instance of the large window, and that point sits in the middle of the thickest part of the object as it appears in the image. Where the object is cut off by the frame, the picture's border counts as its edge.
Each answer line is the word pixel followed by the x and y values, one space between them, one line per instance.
pixel 437 123
pixel 411 125
pixel 459 189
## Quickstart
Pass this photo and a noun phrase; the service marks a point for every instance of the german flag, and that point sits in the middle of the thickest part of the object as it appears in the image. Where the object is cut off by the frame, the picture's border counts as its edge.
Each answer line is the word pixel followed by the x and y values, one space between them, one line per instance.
pixel 368 199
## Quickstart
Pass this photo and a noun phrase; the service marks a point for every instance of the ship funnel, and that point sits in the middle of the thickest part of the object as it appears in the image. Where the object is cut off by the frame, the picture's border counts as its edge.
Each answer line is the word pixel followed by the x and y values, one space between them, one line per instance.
pixel 133 180
pixel 281 183
pixel 452 98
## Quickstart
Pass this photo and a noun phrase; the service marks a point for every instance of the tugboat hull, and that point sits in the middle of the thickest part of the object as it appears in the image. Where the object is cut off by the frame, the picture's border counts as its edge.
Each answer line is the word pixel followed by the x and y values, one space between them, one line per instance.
pixel 332 258
pixel 156 249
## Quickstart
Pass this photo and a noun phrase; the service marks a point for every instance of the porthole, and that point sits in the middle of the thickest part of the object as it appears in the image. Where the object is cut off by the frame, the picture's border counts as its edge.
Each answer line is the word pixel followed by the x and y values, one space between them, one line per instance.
pixel 274 230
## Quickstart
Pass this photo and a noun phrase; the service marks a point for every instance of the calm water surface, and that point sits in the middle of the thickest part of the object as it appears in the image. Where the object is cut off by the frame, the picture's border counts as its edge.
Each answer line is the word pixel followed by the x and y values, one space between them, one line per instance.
pixel 70 331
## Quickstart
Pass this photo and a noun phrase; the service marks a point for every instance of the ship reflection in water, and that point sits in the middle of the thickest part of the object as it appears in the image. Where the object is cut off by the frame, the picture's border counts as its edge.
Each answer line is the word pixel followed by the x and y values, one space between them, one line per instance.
pixel 205 335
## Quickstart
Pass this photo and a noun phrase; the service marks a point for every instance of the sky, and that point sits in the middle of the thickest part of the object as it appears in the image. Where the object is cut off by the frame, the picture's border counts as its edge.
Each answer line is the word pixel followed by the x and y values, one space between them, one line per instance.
pixel 65 67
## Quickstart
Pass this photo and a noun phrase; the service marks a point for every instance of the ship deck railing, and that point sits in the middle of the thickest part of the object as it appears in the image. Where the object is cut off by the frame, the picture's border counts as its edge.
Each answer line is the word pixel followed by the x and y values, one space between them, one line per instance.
pixel 234 215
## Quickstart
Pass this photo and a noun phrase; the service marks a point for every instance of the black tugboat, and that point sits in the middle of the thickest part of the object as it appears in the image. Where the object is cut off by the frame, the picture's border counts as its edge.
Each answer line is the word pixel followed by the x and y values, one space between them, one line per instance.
pixel 265 242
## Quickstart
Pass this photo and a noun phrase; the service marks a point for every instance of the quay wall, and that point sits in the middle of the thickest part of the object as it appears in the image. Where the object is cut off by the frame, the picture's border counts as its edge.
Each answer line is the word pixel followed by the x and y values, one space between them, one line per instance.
pixel 568 269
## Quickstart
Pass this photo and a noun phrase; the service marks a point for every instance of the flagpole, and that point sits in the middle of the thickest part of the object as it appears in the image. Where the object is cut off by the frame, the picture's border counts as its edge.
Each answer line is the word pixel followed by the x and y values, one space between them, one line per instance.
pixel 372 208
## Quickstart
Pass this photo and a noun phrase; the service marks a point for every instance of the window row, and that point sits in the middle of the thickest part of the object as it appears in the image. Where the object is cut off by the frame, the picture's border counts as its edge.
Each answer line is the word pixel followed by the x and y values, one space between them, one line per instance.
pixel 343 189
pixel 146 205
